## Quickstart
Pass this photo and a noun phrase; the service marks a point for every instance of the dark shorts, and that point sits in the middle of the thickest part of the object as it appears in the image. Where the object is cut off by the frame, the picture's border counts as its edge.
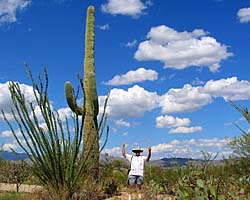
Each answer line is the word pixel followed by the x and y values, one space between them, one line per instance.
pixel 135 180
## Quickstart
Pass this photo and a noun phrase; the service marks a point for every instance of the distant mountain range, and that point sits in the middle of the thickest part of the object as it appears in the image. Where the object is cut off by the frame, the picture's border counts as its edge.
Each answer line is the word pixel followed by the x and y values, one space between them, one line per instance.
pixel 6 155
pixel 165 162
pixel 171 162
pixel 104 158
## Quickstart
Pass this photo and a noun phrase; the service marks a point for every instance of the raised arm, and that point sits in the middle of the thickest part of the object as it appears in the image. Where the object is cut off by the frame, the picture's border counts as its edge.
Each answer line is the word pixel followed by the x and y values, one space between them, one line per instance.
pixel 149 154
pixel 123 151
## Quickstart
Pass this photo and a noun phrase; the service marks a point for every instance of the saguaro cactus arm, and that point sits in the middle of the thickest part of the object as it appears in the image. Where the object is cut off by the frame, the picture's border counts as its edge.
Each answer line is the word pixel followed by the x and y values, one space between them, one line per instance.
pixel 71 99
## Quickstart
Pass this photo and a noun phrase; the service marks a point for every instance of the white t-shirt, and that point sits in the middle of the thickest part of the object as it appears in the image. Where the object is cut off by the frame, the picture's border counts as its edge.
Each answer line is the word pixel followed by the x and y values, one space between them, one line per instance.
pixel 137 164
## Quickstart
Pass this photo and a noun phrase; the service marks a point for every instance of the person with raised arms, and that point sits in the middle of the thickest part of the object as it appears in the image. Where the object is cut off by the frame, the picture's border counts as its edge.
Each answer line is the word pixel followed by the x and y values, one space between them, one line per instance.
pixel 135 175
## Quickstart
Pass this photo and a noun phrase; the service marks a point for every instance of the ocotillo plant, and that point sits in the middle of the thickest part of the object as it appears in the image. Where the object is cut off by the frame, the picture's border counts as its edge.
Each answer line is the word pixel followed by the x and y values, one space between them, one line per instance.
pixel 90 108
pixel 52 147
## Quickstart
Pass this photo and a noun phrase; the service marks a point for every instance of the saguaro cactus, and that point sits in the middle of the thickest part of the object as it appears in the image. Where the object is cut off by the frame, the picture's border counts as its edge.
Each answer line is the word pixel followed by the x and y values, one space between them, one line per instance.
pixel 89 110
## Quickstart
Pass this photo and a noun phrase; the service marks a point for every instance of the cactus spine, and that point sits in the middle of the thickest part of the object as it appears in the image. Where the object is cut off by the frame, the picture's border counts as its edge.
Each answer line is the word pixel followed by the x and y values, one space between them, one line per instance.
pixel 89 111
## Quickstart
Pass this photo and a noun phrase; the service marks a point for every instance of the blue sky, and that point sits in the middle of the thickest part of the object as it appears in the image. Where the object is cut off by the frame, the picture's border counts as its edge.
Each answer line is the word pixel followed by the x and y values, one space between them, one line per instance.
pixel 170 66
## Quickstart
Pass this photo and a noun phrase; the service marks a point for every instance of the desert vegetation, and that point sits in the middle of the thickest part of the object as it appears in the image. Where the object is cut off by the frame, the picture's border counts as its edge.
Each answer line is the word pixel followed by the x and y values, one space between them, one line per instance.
pixel 206 180
pixel 65 161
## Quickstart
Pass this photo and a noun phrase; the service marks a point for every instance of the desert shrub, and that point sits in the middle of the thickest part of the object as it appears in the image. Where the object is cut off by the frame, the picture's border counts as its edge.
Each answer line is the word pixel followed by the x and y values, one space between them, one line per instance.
pixel 161 180
pixel 217 182
pixel 113 176
pixel 200 180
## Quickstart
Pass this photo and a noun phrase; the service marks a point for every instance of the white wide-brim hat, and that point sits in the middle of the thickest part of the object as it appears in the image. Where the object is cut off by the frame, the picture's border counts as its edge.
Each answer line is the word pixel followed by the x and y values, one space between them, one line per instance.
pixel 137 149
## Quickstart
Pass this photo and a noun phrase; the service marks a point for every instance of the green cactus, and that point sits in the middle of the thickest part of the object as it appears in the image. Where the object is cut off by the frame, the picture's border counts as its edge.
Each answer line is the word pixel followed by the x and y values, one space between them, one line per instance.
pixel 89 111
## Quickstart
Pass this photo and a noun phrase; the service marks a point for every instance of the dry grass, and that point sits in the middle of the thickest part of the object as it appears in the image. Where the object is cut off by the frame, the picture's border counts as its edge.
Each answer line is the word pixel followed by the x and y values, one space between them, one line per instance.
pixel 32 192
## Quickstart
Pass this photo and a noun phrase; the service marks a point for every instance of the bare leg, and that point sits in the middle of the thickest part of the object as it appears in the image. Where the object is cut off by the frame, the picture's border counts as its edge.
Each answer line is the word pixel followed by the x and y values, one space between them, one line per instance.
pixel 130 191
pixel 139 191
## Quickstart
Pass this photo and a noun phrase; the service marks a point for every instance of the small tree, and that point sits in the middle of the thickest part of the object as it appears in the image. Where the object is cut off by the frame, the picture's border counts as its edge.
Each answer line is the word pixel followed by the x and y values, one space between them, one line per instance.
pixel 2 167
pixel 15 172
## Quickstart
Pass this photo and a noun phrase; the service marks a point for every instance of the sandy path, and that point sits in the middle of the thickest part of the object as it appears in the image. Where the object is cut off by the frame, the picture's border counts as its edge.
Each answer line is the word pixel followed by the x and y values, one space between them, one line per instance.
pixel 23 188
pixel 124 196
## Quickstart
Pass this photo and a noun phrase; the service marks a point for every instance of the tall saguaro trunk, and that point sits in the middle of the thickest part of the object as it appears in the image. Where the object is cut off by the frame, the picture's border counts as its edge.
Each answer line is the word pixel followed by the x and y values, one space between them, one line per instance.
pixel 91 139
pixel 90 108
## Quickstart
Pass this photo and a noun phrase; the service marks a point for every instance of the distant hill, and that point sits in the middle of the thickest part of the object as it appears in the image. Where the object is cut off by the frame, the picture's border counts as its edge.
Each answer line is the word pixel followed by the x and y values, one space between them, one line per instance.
pixel 170 162
pixel 165 162
pixel 174 162
pixel 6 155
pixel 105 158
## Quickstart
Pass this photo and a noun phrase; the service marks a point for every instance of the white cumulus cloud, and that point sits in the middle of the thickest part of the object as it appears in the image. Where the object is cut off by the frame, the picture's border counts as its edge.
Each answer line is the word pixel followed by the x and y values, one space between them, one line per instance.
pixel 121 122
pixel 244 15
pixel 6 134
pixel 9 134
pixel 170 121
pixel 136 100
pixel 131 103
pixel 115 151
pixel 180 50
pixel 9 147
pixel 185 130
pixel 229 88
pixel 6 101
pixel 190 148
pixel 177 125
pixel 103 27
pixel 10 8
pixel 131 44
pixel 184 99
pixel 133 8
pixel 136 76
pixel 65 113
